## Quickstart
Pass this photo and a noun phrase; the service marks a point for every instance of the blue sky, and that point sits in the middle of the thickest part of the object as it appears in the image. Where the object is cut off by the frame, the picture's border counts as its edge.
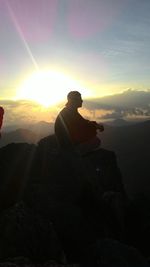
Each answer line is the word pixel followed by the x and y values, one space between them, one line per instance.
pixel 102 44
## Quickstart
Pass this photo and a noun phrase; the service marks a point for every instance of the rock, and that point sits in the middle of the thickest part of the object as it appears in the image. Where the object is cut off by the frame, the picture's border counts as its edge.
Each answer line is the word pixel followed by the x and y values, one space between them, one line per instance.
pixel 25 234
pixel 108 252
pixel 78 195
pixel 15 164
pixel 104 163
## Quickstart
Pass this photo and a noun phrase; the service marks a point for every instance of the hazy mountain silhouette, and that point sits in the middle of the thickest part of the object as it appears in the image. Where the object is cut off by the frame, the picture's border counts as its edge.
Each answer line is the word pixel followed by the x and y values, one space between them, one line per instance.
pixel 11 128
pixel 42 127
pixel 19 136
pixel 119 122
pixel 29 133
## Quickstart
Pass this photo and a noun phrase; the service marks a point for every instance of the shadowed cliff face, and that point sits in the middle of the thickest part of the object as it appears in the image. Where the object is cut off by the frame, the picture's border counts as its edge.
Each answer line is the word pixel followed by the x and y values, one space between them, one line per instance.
pixel 83 198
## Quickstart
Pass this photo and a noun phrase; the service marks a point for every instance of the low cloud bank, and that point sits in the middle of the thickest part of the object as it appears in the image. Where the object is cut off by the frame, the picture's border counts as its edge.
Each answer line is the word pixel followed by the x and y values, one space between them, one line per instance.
pixel 24 112
pixel 131 104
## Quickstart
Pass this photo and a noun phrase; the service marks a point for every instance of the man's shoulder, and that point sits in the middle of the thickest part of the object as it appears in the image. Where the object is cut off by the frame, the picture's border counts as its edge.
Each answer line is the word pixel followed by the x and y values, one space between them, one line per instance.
pixel 68 115
pixel 67 111
pixel 64 110
pixel 64 113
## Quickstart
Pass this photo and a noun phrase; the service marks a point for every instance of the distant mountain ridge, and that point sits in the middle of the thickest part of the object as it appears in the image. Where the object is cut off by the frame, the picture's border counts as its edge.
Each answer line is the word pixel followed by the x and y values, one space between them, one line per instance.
pixel 120 123
pixel 29 133
pixel 19 136
pixel 41 126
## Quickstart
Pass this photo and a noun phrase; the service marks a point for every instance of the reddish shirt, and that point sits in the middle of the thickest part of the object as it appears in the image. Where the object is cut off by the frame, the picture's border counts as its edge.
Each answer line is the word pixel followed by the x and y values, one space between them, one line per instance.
pixel 79 129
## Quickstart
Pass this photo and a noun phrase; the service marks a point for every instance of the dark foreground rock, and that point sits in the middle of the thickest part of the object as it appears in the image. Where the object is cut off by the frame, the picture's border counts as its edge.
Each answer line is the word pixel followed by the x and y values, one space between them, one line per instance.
pixel 15 164
pixel 109 252
pixel 61 208
pixel 22 262
pixel 23 233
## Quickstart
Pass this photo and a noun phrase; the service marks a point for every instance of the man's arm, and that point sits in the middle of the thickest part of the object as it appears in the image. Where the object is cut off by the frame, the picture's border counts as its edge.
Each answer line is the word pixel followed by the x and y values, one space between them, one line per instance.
pixel 100 127
pixel 97 125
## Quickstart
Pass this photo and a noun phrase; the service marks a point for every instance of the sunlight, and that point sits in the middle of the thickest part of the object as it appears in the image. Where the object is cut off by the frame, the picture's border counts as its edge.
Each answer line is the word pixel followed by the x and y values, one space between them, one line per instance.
pixel 48 87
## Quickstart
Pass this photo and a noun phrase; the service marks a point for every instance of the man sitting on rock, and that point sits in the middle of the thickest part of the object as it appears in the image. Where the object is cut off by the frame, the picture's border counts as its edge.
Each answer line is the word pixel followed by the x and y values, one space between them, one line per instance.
pixel 72 129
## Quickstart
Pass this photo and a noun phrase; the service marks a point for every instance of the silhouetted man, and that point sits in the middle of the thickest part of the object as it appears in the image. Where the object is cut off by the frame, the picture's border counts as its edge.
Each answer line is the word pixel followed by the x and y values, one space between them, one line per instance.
pixel 1 118
pixel 72 129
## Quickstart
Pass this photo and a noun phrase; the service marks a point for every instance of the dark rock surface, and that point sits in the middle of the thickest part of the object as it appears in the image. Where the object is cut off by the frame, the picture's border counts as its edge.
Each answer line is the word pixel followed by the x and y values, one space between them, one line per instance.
pixel 15 165
pixel 110 252
pixel 24 233
pixel 57 206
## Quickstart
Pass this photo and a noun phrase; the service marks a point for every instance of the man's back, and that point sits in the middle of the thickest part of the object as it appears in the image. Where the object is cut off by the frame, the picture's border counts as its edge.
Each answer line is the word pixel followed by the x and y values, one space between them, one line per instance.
pixel 70 124
pixel 61 130
pixel 72 128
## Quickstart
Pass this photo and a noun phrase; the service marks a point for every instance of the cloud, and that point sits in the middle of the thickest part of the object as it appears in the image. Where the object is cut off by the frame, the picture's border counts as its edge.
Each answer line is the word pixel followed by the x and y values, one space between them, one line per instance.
pixel 129 98
pixel 127 113
pixel 23 112
pixel 129 104
pixel 95 114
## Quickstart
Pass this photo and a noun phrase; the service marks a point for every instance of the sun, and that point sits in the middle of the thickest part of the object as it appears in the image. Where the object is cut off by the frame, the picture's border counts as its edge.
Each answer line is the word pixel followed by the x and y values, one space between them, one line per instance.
pixel 47 87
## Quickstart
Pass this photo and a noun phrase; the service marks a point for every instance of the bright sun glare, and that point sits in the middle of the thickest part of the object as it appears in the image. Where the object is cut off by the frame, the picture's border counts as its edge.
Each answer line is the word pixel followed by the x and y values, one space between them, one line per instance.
pixel 48 87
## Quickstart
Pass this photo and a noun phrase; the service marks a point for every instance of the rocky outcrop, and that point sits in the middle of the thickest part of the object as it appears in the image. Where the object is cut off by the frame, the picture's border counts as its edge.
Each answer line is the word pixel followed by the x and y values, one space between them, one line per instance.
pixel 110 252
pixel 15 165
pixel 23 233
pixel 68 204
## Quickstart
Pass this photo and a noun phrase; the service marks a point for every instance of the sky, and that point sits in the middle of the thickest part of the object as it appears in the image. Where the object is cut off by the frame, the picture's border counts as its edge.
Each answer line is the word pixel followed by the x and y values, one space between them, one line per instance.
pixel 100 47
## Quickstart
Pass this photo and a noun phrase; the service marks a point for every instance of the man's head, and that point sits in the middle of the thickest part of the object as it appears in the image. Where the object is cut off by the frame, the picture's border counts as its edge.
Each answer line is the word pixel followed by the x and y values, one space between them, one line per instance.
pixel 74 99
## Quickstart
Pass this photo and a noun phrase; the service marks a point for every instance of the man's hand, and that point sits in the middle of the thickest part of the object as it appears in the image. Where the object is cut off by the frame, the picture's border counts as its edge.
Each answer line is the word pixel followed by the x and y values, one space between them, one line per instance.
pixel 100 127
pixel 97 125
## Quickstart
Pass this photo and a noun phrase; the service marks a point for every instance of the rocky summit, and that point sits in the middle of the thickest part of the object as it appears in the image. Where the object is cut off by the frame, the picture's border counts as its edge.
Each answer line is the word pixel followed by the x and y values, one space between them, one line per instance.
pixel 58 208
